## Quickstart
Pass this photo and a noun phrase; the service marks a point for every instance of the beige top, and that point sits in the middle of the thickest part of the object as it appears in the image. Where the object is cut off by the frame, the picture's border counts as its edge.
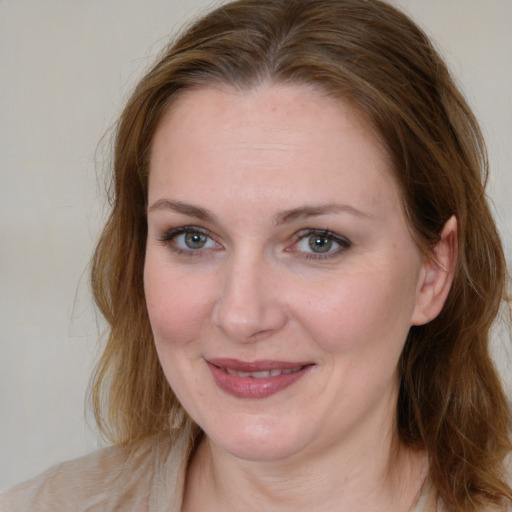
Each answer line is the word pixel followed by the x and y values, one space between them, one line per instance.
pixel 150 479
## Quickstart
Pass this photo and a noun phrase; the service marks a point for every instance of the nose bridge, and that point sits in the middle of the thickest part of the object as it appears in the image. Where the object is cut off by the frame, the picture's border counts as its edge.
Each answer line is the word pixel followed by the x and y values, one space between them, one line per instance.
pixel 248 305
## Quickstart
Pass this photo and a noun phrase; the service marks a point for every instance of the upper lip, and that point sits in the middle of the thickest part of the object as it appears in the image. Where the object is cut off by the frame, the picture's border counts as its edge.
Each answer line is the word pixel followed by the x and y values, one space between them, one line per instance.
pixel 256 366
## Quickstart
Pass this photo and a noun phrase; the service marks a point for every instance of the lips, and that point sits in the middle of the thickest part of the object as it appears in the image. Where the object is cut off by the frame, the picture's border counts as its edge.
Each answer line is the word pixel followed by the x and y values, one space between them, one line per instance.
pixel 258 379
pixel 263 374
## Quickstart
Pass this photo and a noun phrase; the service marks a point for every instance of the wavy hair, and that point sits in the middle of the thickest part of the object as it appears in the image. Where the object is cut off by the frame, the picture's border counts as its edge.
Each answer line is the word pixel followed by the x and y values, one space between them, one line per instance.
pixel 451 403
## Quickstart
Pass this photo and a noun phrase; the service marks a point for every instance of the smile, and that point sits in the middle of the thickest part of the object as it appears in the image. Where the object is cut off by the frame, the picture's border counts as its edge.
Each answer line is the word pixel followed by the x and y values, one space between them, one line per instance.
pixel 259 379
pixel 263 374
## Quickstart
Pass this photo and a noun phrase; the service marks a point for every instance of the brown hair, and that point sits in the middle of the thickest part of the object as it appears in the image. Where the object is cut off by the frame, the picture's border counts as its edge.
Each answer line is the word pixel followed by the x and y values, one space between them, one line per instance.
pixel 451 402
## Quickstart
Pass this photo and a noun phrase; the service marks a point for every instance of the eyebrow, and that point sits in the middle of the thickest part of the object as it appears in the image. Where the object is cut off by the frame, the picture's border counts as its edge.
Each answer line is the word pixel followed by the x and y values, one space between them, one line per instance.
pixel 184 208
pixel 305 212
pixel 284 217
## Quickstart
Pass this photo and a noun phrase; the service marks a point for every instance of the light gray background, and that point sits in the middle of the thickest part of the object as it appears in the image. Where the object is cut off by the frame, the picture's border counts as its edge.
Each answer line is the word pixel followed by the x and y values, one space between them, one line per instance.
pixel 66 66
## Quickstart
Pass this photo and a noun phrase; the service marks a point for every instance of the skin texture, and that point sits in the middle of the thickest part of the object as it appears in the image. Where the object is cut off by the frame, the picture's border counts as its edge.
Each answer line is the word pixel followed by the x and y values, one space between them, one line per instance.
pixel 265 167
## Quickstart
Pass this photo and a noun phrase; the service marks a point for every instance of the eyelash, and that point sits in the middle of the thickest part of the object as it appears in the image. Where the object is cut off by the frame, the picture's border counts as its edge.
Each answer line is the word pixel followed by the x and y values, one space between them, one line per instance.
pixel 343 243
pixel 170 236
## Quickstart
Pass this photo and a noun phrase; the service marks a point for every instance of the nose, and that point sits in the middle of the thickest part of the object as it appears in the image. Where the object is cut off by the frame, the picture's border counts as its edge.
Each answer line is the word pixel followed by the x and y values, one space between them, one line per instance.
pixel 248 307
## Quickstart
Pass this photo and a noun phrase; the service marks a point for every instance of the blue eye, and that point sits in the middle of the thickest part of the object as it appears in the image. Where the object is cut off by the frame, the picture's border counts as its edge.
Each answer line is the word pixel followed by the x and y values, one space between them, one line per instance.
pixel 193 240
pixel 321 243
pixel 189 240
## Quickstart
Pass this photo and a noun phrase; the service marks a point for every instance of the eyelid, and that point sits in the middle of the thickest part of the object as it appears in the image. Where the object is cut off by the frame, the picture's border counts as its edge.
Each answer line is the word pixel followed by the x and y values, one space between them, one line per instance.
pixel 343 242
pixel 171 234
pixel 327 233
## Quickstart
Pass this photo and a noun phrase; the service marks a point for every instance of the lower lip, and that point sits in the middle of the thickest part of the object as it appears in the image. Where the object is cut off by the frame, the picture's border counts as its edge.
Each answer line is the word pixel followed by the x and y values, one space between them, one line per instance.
pixel 251 387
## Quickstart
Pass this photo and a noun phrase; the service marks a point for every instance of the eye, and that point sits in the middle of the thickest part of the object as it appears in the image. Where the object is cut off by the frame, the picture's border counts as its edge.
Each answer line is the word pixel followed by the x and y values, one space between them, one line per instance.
pixel 189 240
pixel 192 240
pixel 321 243
pixel 318 243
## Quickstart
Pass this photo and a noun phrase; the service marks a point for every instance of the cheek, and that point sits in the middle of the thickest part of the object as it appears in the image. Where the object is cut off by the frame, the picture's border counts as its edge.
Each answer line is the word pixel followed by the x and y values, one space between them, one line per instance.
pixel 177 304
pixel 359 311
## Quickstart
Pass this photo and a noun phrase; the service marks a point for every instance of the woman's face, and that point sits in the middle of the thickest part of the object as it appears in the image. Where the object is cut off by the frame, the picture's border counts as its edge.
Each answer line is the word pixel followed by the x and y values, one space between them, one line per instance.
pixel 280 276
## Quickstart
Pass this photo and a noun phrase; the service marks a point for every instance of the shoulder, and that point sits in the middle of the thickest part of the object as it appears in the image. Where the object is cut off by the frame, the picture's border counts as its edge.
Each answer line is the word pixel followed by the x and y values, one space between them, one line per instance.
pixel 71 485
pixel 115 478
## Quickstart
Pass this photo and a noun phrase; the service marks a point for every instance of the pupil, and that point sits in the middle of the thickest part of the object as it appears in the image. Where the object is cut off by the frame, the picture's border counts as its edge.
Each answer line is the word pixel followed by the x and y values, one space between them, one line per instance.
pixel 320 243
pixel 195 240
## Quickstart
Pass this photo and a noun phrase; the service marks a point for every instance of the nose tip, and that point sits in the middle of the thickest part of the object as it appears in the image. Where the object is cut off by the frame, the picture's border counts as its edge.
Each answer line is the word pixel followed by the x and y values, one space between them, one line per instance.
pixel 248 307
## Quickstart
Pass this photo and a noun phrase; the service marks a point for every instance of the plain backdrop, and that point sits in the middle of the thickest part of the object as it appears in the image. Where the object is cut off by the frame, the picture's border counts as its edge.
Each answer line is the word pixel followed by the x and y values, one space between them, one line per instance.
pixel 66 67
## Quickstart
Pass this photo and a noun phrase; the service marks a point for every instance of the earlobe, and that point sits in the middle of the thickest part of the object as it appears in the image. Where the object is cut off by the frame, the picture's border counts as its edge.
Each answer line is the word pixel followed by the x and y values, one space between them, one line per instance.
pixel 437 276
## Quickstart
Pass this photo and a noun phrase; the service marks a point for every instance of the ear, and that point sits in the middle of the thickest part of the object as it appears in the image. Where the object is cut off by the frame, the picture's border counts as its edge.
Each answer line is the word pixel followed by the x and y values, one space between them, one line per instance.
pixel 436 276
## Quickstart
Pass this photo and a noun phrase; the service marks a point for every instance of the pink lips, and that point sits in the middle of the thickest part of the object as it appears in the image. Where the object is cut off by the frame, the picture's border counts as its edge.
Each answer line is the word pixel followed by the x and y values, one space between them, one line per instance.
pixel 258 379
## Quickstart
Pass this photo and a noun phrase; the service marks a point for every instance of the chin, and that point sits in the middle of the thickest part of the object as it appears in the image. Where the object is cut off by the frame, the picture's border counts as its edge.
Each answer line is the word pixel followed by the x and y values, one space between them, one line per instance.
pixel 259 441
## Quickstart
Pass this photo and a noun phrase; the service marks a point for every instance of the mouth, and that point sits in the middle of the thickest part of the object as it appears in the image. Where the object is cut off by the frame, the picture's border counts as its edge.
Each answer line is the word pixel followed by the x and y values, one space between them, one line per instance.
pixel 263 374
pixel 258 379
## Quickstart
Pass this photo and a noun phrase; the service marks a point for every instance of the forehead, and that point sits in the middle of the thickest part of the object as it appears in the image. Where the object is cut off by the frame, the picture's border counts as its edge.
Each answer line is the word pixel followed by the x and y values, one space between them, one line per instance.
pixel 273 110
pixel 279 140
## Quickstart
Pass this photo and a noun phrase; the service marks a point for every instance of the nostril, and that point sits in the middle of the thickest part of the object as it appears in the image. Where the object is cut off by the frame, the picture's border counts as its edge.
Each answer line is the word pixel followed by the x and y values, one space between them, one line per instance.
pixel 248 307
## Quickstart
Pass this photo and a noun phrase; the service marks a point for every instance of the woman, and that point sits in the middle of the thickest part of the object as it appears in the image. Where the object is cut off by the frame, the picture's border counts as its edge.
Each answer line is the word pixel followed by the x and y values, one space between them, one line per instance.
pixel 300 272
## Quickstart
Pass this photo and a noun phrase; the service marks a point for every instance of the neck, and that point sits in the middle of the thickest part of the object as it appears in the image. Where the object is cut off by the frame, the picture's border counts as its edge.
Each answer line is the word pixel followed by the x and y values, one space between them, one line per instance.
pixel 363 476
